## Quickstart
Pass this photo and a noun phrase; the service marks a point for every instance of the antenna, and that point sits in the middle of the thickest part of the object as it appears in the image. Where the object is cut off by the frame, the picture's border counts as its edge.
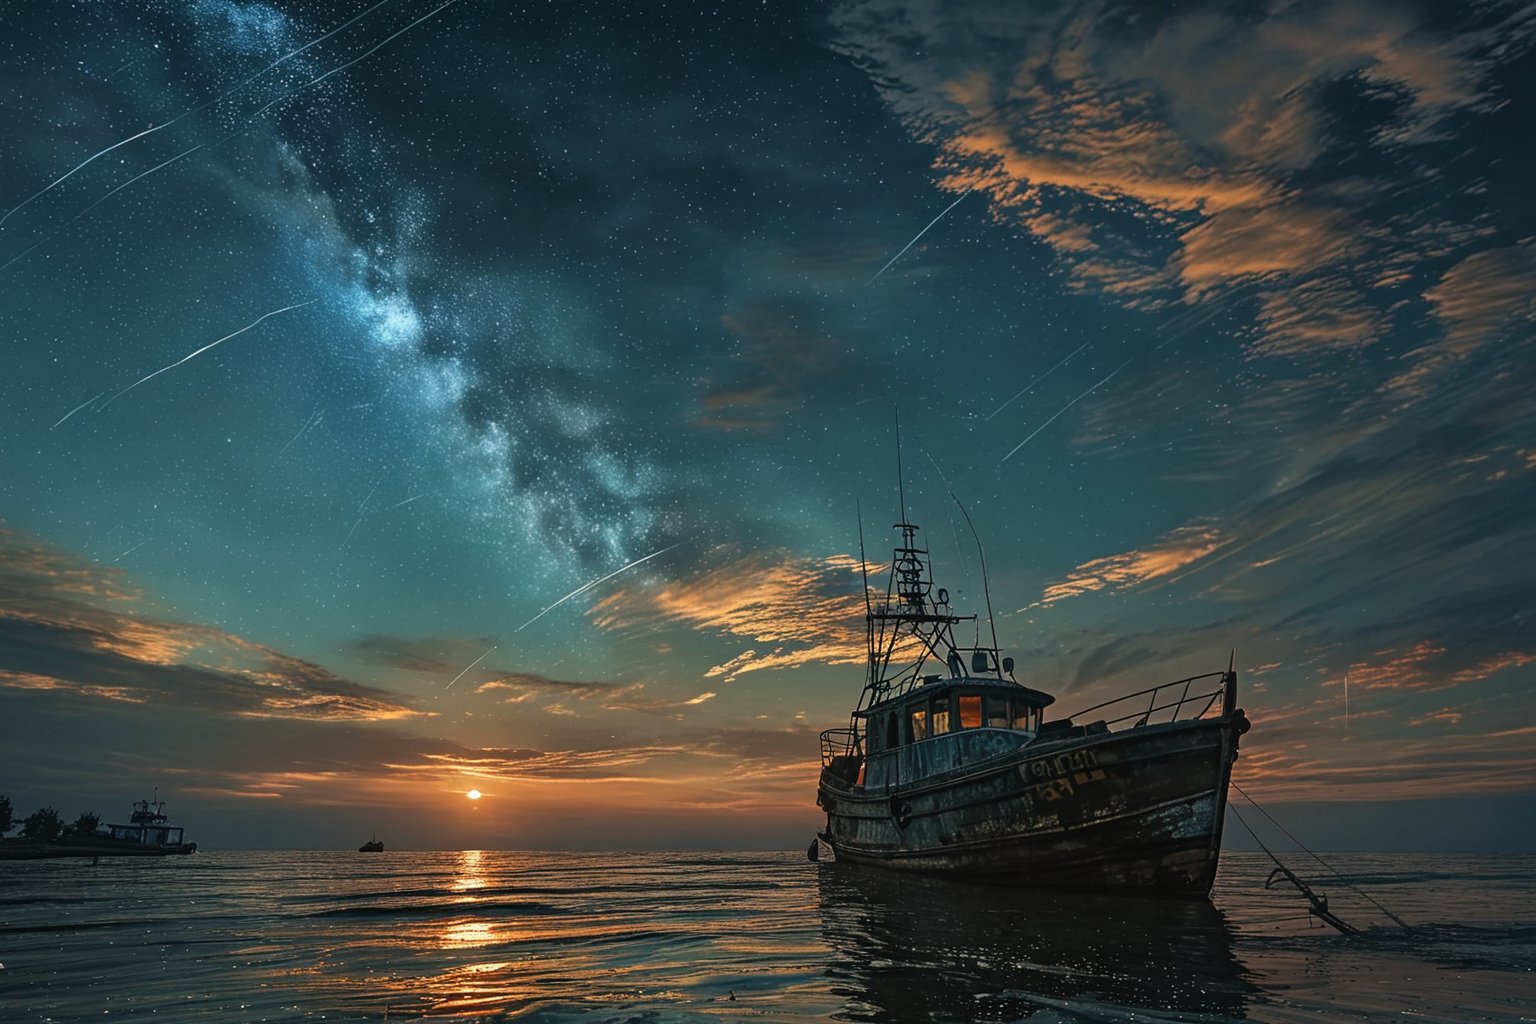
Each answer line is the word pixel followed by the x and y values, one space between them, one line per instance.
pixel 869 615
pixel 985 589
pixel 901 486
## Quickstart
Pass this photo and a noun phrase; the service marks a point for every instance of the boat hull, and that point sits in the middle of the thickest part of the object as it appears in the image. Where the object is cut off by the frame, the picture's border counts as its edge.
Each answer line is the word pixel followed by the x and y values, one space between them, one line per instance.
pixel 1139 810
pixel 17 849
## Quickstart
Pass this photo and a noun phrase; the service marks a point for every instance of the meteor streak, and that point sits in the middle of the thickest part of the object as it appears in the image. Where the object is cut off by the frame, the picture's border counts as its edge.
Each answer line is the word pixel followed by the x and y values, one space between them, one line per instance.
pixel 360 513
pixel 1037 380
pixel 472 664
pixel 414 497
pixel 365 54
pixel 1064 408
pixel 314 418
pixel 920 234
pixel 588 586
pixel 131 550
pixel 60 230
pixel 181 117
pixel 77 408
pixel 205 348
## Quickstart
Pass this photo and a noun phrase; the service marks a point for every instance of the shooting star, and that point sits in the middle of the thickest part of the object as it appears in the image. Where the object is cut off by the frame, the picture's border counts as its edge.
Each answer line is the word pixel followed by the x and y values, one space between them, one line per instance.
pixel 360 513
pixel 472 664
pixel 1037 380
pixel 314 418
pixel 180 117
pixel 62 227
pixel 365 54
pixel 131 550
pixel 1183 325
pixel 588 586
pixel 71 173
pixel 77 408
pixel 1064 408
pixel 414 497
pixel 920 234
pixel 125 67
pixel 205 348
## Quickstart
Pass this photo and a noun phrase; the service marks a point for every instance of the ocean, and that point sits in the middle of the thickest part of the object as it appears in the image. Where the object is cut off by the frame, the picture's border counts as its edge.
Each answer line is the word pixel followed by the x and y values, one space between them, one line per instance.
pixel 663 937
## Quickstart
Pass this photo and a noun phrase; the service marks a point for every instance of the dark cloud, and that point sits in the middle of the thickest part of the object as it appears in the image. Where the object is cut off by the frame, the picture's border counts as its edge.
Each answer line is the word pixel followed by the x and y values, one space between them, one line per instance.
pixel 415 654
pixel 57 635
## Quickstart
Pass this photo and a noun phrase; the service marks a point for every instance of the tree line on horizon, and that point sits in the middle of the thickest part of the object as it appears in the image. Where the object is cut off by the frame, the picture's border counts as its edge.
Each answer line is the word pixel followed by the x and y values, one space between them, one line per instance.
pixel 45 825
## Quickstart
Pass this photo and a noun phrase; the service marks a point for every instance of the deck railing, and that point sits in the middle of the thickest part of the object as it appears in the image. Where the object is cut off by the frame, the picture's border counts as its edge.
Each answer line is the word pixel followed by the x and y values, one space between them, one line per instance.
pixel 1170 702
pixel 838 743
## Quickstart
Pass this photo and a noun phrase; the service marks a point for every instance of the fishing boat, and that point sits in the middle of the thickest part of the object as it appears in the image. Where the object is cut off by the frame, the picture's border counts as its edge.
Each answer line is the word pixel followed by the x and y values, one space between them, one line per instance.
pixel 148 833
pixel 374 845
pixel 951 765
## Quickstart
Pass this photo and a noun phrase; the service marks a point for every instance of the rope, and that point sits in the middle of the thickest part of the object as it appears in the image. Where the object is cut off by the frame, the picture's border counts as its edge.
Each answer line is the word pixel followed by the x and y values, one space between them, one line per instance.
pixel 1400 922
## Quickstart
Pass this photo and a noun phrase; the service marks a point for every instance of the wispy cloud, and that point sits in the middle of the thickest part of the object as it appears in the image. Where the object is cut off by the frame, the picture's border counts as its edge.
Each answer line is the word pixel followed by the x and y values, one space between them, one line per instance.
pixel 1178 550
pixel 72 628
pixel 793 611
pixel 1174 154
pixel 778 358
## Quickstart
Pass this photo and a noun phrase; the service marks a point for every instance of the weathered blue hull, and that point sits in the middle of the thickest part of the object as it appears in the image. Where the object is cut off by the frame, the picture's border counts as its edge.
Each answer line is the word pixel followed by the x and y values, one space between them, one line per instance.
pixel 1136 810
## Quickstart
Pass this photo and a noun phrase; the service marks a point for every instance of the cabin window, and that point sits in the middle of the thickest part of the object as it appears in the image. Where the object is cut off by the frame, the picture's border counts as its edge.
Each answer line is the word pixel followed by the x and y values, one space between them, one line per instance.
pixel 970 711
pixel 1021 716
pixel 892 731
pixel 997 712
pixel 940 720
pixel 919 724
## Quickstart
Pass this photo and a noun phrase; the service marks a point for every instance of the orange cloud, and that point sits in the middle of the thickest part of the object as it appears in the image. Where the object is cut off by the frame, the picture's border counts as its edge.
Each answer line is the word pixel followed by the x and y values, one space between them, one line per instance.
pixel 1177 550
pixel 65 626
pixel 1189 133
pixel 1408 670
pixel 795 611
pixel 1481 671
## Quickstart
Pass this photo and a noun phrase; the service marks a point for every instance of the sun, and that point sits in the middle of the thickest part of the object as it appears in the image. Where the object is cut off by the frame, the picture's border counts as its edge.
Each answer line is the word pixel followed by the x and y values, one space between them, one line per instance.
pixel 473 794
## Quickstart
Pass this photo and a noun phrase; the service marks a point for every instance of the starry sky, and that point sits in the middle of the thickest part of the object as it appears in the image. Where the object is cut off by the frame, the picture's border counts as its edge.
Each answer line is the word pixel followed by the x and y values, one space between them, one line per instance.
pixel 403 398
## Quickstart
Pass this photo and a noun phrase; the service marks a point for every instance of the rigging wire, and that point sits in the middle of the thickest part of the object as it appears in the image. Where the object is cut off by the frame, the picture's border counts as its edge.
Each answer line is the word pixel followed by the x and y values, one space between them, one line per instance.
pixel 1400 922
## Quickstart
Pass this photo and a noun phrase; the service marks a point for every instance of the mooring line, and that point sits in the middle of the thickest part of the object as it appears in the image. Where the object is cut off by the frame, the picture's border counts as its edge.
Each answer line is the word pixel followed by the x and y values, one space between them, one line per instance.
pixel 1300 845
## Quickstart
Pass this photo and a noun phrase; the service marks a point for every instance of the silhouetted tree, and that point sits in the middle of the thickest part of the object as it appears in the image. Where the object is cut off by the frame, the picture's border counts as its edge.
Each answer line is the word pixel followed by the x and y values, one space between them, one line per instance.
pixel 43 825
pixel 84 825
pixel 6 821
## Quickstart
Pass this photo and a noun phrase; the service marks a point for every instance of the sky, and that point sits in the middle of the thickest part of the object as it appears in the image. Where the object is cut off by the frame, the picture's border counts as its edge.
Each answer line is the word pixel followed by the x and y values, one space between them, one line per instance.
pixel 406 398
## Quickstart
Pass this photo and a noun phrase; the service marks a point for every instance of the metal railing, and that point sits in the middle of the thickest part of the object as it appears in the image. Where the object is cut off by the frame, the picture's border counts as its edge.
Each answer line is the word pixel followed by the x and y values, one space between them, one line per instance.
pixel 838 743
pixel 1202 700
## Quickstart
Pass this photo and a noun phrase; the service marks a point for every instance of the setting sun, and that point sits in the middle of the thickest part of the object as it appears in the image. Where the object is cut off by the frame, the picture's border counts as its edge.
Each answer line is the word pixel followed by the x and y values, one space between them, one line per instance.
pixel 473 794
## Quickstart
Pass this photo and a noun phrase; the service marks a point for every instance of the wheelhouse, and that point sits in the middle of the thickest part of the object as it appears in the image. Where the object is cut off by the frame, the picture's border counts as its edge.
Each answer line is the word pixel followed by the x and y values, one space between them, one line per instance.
pixel 940 706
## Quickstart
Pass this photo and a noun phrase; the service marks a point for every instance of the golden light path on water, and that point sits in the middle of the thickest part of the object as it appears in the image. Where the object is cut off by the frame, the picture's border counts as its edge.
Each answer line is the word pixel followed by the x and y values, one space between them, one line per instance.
pixel 294 936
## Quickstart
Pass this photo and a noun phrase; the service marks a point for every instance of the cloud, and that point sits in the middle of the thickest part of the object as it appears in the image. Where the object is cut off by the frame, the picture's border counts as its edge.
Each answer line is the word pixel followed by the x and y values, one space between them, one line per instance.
pixel 1178 550
pixel 795 611
pixel 68 627
pixel 777 357
pixel 1408 669
pixel 1170 155
pixel 429 654
pixel 1482 300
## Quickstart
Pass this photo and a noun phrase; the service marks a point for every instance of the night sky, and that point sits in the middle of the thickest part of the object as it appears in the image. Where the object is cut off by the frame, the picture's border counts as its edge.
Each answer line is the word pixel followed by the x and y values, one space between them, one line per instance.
pixel 345 345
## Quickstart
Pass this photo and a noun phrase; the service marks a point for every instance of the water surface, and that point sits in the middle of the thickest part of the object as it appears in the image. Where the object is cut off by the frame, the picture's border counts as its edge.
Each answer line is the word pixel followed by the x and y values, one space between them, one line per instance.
pixel 304 936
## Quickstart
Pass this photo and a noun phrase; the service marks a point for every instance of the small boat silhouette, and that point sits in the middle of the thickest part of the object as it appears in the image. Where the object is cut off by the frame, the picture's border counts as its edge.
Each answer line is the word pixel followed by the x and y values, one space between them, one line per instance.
pixel 374 845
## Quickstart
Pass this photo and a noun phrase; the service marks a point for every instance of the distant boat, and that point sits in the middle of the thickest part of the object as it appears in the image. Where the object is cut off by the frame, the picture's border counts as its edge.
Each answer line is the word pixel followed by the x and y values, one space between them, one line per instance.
pixel 148 834
pixel 957 771
pixel 374 845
